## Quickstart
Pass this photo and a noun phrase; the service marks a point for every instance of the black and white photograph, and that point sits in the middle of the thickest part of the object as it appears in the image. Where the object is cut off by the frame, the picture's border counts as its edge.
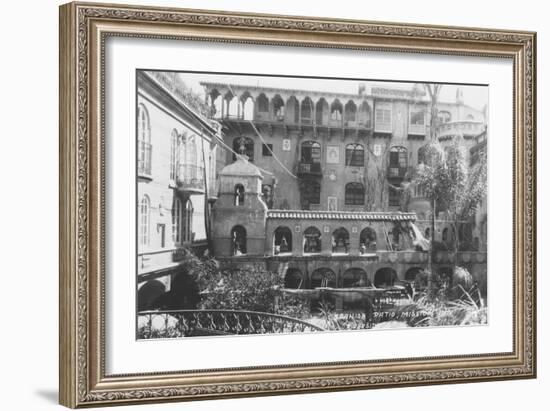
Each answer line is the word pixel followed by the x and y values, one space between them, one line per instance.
pixel 271 204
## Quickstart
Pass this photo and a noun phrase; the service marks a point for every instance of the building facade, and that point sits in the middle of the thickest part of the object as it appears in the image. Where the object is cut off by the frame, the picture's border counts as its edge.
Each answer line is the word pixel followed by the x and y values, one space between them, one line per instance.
pixel 176 169
pixel 312 185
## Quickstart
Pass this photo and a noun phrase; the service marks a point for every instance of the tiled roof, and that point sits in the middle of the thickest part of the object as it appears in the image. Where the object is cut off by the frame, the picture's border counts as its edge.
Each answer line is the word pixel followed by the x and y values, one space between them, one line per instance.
pixel 340 215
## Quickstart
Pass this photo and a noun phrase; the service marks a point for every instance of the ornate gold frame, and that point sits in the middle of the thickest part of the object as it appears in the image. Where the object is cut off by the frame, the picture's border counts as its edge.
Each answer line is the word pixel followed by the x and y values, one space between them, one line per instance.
pixel 83 30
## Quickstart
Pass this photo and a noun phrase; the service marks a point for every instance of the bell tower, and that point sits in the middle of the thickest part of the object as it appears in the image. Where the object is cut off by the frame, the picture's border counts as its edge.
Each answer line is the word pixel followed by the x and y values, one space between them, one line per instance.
pixel 239 213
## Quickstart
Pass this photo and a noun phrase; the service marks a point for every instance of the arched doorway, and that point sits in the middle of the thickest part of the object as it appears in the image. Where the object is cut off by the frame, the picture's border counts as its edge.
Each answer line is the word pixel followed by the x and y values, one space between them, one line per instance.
pixel 355 277
pixel 312 241
pixel 294 278
pixel 149 293
pixel 282 240
pixel 340 241
pixel 367 241
pixel 323 277
pixel 385 277
pixel 238 238
pixel 412 273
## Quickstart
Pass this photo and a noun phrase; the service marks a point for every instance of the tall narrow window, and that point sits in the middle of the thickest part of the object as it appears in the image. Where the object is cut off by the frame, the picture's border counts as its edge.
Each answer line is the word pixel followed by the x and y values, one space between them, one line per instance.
pixel 417 120
pixel 355 155
pixel 239 195
pixel 350 113
pixel 177 214
pixel 382 117
pixel 173 154
pixel 263 103
pixel 187 226
pixel 397 168
pixel 144 220
pixel 278 108
pixel 238 238
pixel 306 110
pixel 336 110
pixel 144 141
pixel 191 172
pixel 355 194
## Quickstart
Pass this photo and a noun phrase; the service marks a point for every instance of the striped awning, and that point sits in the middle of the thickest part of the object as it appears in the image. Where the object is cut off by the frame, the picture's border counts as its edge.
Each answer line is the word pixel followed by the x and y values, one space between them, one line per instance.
pixel 340 215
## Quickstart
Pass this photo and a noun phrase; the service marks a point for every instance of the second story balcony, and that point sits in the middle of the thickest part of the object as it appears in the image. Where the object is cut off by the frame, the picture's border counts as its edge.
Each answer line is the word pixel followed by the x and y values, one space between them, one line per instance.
pixel 190 179
pixel 466 128
pixel 396 172
pixel 417 130
pixel 309 169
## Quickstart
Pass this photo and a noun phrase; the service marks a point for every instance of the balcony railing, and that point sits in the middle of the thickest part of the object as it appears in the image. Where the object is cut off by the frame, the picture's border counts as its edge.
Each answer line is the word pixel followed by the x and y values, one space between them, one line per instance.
pixel 466 128
pixel 305 168
pixel 397 172
pixel 417 129
pixel 144 158
pixel 190 178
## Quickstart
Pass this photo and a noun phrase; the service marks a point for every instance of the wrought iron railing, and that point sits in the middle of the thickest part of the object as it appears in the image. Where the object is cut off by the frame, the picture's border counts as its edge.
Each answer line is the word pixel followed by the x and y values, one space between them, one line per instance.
pixel 190 176
pixel 187 323
pixel 309 168
pixel 397 172
pixel 144 158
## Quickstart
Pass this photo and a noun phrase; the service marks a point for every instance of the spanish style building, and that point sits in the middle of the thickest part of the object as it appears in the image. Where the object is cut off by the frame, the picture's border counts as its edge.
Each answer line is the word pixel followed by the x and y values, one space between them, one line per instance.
pixel 176 166
pixel 313 185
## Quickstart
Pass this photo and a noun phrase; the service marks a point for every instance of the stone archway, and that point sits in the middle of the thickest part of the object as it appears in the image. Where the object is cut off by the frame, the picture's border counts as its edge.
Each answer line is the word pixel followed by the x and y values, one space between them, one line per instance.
pixel 385 277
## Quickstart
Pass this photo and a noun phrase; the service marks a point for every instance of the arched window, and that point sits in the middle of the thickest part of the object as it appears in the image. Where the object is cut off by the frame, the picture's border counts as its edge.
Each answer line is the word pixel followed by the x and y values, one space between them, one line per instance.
pixel 278 108
pixel 323 277
pixel 350 113
pixel 144 220
pixel 398 157
pixel 311 152
pixel 355 194
pixel 312 241
pixel 232 104
pixel 355 277
pixel 398 163
pixel 292 110
pixel 238 238
pixel 282 240
pixel 263 103
pixel 336 111
pixel 187 228
pixel 239 195
pixel 367 241
pixel 306 110
pixel 340 241
pixel 355 155
pixel 364 115
pixel 385 277
pixel 144 141
pixel 470 117
pixel 247 103
pixel 144 126
pixel 189 166
pixel 321 112
pixel 244 145
pixel 174 154
pixel 177 220
pixel 294 278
